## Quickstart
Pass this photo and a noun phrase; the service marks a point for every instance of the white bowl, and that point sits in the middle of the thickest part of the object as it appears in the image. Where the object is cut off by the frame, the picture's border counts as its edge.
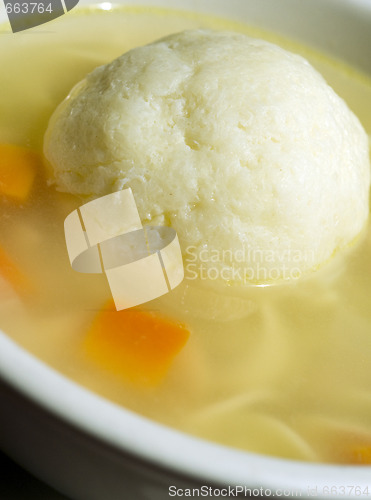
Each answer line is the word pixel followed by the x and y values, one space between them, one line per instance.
pixel 91 449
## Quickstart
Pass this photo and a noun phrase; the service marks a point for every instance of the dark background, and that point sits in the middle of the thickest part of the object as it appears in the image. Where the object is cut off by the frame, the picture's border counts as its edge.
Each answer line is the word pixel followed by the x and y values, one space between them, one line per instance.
pixel 17 484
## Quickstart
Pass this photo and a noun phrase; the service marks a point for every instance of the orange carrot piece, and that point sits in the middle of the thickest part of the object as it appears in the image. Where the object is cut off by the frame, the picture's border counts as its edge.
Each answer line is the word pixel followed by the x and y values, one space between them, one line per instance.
pixel 11 273
pixel 137 345
pixel 361 455
pixel 17 171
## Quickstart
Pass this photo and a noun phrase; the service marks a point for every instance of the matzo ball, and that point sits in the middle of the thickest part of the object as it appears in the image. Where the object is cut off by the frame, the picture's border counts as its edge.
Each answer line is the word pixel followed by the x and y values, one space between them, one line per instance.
pixel 239 145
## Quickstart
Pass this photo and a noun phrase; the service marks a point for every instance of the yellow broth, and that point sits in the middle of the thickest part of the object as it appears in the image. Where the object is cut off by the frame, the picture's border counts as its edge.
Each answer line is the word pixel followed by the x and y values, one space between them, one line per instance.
pixel 281 370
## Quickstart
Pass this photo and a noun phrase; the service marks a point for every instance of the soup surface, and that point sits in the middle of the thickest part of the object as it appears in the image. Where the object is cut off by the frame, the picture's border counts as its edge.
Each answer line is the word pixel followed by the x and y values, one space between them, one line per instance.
pixel 281 370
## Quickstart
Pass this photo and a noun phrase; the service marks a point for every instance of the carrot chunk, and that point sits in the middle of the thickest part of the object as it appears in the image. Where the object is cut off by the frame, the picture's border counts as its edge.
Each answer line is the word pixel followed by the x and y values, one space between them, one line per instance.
pixel 138 345
pixel 12 274
pixel 17 171
pixel 361 455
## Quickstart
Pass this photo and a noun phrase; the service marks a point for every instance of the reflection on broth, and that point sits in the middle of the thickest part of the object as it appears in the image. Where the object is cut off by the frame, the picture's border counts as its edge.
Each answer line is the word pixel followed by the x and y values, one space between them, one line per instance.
pixel 281 370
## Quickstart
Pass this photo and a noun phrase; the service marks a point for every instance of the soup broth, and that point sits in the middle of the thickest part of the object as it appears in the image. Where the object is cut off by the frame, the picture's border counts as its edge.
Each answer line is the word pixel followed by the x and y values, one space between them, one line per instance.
pixel 281 370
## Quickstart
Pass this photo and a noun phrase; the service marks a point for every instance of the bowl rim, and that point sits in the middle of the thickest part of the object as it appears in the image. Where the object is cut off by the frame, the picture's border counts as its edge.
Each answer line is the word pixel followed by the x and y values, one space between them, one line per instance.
pixel 124 430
